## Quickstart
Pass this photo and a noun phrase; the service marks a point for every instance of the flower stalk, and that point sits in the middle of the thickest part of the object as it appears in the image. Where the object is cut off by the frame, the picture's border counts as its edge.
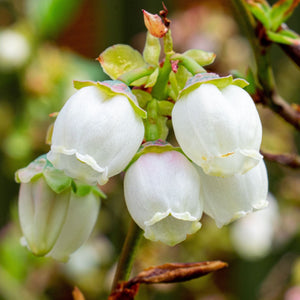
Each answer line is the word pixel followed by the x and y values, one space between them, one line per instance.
pixel 128 252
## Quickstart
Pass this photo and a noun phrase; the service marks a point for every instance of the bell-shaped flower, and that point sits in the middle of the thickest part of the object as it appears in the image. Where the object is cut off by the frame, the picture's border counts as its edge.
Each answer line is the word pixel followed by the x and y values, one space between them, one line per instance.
pixel 56 214
pixel 253 236
pixel 228 199
pixel 97 132
pixel 162 194
pixel 217 125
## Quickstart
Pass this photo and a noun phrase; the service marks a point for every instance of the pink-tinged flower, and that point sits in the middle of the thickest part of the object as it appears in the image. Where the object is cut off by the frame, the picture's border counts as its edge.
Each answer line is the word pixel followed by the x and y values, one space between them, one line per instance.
pixel 162 194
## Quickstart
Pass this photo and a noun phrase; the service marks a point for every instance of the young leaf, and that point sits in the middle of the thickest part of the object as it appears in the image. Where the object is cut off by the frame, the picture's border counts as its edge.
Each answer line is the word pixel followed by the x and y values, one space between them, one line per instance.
pixel 119 59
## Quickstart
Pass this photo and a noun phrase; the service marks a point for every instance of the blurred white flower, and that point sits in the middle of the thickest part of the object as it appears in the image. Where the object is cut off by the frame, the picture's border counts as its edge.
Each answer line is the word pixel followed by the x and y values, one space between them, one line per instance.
pixel 252 236
pixel 218 129
pixel 227 199
pixel 14 49
pixel 56 214
pixel 89 257
pixel 162 194
pixel 95 135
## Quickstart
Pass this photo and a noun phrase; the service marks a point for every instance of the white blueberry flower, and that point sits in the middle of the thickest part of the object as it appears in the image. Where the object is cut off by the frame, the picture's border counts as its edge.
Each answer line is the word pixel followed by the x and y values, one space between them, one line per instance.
pixel 97 132
pixel 162 194
pixel 253 235
pixel 227 199
pixel 56 214
pixel 218 128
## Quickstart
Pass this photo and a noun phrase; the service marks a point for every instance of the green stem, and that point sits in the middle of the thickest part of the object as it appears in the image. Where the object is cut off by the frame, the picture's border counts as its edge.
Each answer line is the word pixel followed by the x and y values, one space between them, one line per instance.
pixel 127 254
pixel 189 63
pixel 159 90
pixel 136 74
pixel 264 71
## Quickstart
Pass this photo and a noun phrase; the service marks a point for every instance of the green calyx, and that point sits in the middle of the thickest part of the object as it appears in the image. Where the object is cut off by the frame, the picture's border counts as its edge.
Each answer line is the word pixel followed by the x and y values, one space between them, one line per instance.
pixel 113 88
pixel 55 179
pixel 158 146
pixel 212 78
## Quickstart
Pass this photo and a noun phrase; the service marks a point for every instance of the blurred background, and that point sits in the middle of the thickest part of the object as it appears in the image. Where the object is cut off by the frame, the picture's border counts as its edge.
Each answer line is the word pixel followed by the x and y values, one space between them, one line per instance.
pixel 46 44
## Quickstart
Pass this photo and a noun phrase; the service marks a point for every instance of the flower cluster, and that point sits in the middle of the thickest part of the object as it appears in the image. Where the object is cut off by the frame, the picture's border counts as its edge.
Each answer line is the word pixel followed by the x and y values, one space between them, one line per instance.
pixel 100 131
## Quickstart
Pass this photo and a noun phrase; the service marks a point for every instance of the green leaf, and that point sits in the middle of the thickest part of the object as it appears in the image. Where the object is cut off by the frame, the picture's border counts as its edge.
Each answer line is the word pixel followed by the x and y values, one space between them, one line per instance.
pixel 152 49
pixel 51 16
pixel 261 10
pixel 283 37
pixel 281 11
pixel 119 59
pixel 203 58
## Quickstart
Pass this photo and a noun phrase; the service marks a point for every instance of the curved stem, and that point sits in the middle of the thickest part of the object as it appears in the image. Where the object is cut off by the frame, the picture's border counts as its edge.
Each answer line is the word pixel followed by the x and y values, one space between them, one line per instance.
pixel 265 84
pixel 127 254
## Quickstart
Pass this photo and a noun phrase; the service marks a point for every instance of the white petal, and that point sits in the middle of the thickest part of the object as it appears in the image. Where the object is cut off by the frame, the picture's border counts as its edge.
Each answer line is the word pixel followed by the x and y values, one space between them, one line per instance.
pixel 219 130
pixel 78 225
pixel 42 214
pixel 227 199
pixel 98 132
pixel 162 192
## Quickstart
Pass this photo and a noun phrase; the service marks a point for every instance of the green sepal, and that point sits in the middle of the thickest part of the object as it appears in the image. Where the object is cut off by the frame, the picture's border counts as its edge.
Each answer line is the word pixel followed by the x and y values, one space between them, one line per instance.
pixel 152 78
pixel 177 81
pixel 142 97
pixel 203 58
pixel 81 189
pixel 212 78
pixel 158 146
pixel 281 11
pixel 261 10
pixel 49 133
pixel 287 37
pixel 56 179
pixel 152 49
pixel 112 88
pixel 147 81
pixel 119 59
pixel 165 107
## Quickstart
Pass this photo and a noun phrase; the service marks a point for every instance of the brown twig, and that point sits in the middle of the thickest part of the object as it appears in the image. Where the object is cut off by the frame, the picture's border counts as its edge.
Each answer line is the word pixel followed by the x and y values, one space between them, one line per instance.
pixel 288 160
pixel 167 273
pixel 275 102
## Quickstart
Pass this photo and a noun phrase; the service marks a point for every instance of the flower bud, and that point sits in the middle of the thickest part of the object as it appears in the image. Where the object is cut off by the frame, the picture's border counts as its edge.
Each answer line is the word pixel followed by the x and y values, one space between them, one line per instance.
pixel 218 128
pixel 96 133
pixel 56 214
pixel 227 199
pixel 162 194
